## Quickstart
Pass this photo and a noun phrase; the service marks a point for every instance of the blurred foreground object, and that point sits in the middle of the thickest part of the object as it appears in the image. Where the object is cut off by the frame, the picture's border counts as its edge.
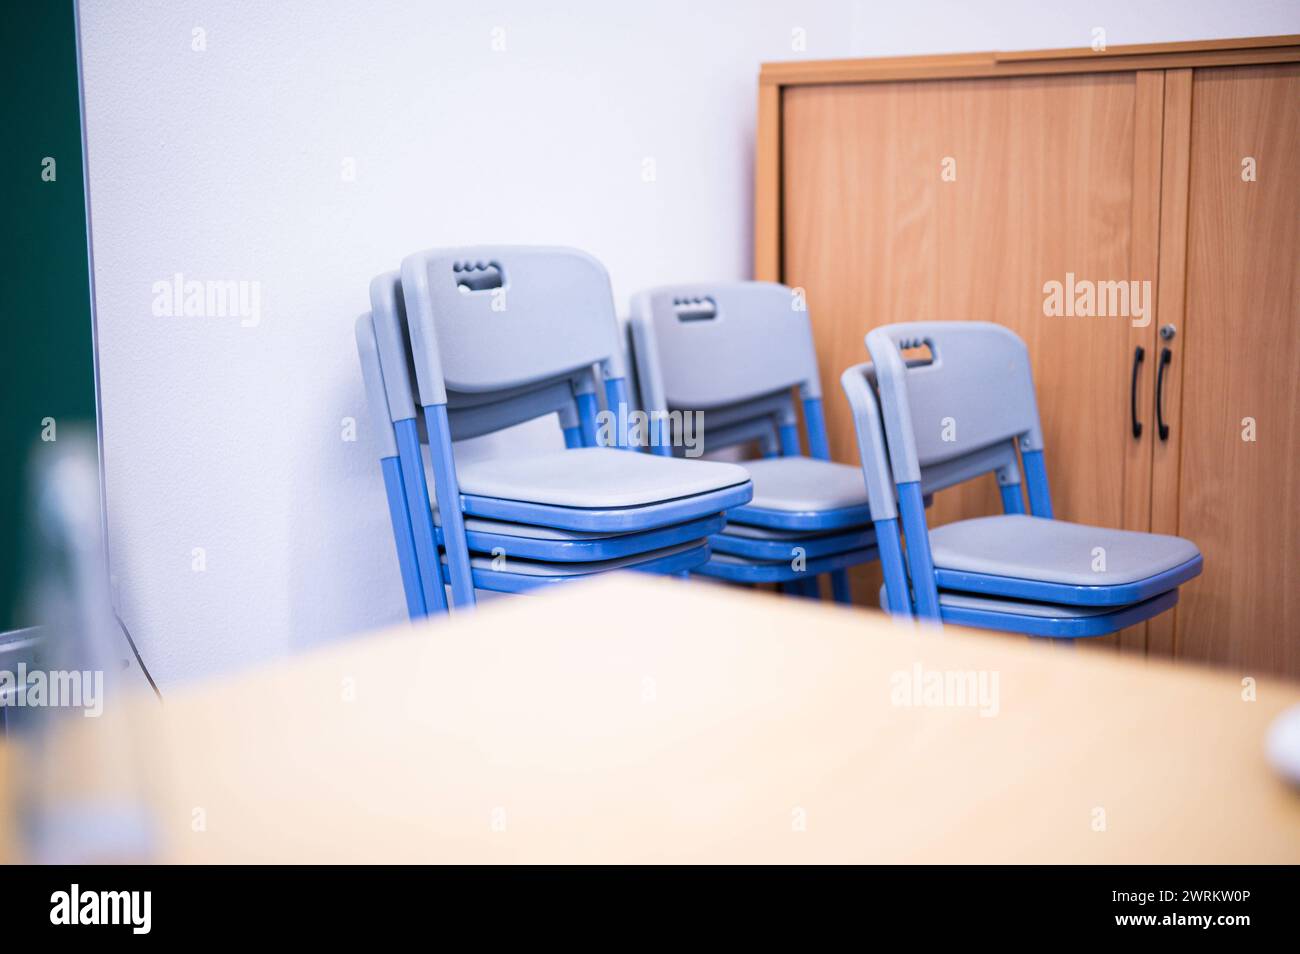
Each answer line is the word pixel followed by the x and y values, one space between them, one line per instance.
pixel 713 724
pixel 81 780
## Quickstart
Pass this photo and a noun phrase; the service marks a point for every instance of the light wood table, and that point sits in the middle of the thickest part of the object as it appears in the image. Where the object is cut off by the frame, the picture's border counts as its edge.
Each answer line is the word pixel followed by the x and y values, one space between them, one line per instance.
pixel 651 720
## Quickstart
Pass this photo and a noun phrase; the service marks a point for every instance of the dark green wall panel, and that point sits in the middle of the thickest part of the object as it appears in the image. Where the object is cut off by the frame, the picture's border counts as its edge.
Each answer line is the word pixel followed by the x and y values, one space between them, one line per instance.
pixel 47 353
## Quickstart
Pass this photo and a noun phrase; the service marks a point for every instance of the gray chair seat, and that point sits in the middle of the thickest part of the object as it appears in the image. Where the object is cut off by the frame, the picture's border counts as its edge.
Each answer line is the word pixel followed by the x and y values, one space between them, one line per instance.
pixel 595 478
pixel 542 568
pixel 805 483
pixel 1055 551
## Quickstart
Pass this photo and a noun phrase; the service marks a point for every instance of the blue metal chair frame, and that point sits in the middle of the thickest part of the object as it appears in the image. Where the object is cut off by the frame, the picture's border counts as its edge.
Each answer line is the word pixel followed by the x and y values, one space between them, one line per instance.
pixel 681 561
pixel 1065 626
pixel 781 548
pixel 611 519
pixel 590 549
pixel 779 571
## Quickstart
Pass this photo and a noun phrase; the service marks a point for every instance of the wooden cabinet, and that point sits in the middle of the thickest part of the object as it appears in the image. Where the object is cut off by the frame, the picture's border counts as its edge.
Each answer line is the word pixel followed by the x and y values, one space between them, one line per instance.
pixel 962 187
pixel 1234 469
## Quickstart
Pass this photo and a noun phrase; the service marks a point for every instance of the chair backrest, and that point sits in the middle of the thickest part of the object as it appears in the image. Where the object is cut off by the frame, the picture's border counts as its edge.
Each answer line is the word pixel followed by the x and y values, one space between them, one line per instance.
pixel 469 414
pixel 388 315
pixel 733 351
pixel 962 412
pixel 507 319
pixel 859 383
pixel 705 346
pixel 372 377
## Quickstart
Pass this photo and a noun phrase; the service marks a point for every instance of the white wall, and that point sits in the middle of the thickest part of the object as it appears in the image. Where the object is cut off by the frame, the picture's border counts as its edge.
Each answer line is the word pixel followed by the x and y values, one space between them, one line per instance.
pixel 227 164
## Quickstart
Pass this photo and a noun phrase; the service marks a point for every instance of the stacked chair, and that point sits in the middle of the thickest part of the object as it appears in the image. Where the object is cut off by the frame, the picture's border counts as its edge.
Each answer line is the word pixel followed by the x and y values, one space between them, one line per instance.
pixel 734 352
pixel 495 336
pixel 961 411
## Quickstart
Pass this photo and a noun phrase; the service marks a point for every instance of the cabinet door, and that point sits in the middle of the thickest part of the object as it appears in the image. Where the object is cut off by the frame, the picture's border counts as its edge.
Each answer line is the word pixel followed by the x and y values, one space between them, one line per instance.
pixel 962 199
pixel 1238 473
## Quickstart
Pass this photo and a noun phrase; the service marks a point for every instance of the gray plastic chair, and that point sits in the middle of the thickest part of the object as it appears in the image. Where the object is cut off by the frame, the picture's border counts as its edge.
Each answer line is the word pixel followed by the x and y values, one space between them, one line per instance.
pixel 511 333
pixel 518 557
pixel 963 412
pixel 736 352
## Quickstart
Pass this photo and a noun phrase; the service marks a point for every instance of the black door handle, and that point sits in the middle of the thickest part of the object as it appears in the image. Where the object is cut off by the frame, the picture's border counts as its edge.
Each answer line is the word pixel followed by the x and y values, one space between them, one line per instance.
pixel 1138 354
pixel 1165 357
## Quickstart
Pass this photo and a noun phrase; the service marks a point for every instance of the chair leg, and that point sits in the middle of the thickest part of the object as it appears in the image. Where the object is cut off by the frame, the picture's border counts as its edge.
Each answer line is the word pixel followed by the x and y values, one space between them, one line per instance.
pixel 447 492
pixel 420 516
pixel 405 538
pixel 840 590
pixel 795 587
pixel 805 586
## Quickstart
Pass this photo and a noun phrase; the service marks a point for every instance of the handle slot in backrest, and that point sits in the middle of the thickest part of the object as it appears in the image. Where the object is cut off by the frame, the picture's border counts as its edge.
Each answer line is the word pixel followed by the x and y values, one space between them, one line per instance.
pixel 478 276
pixel 702 308
pixel 707 345
pixel 918 353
